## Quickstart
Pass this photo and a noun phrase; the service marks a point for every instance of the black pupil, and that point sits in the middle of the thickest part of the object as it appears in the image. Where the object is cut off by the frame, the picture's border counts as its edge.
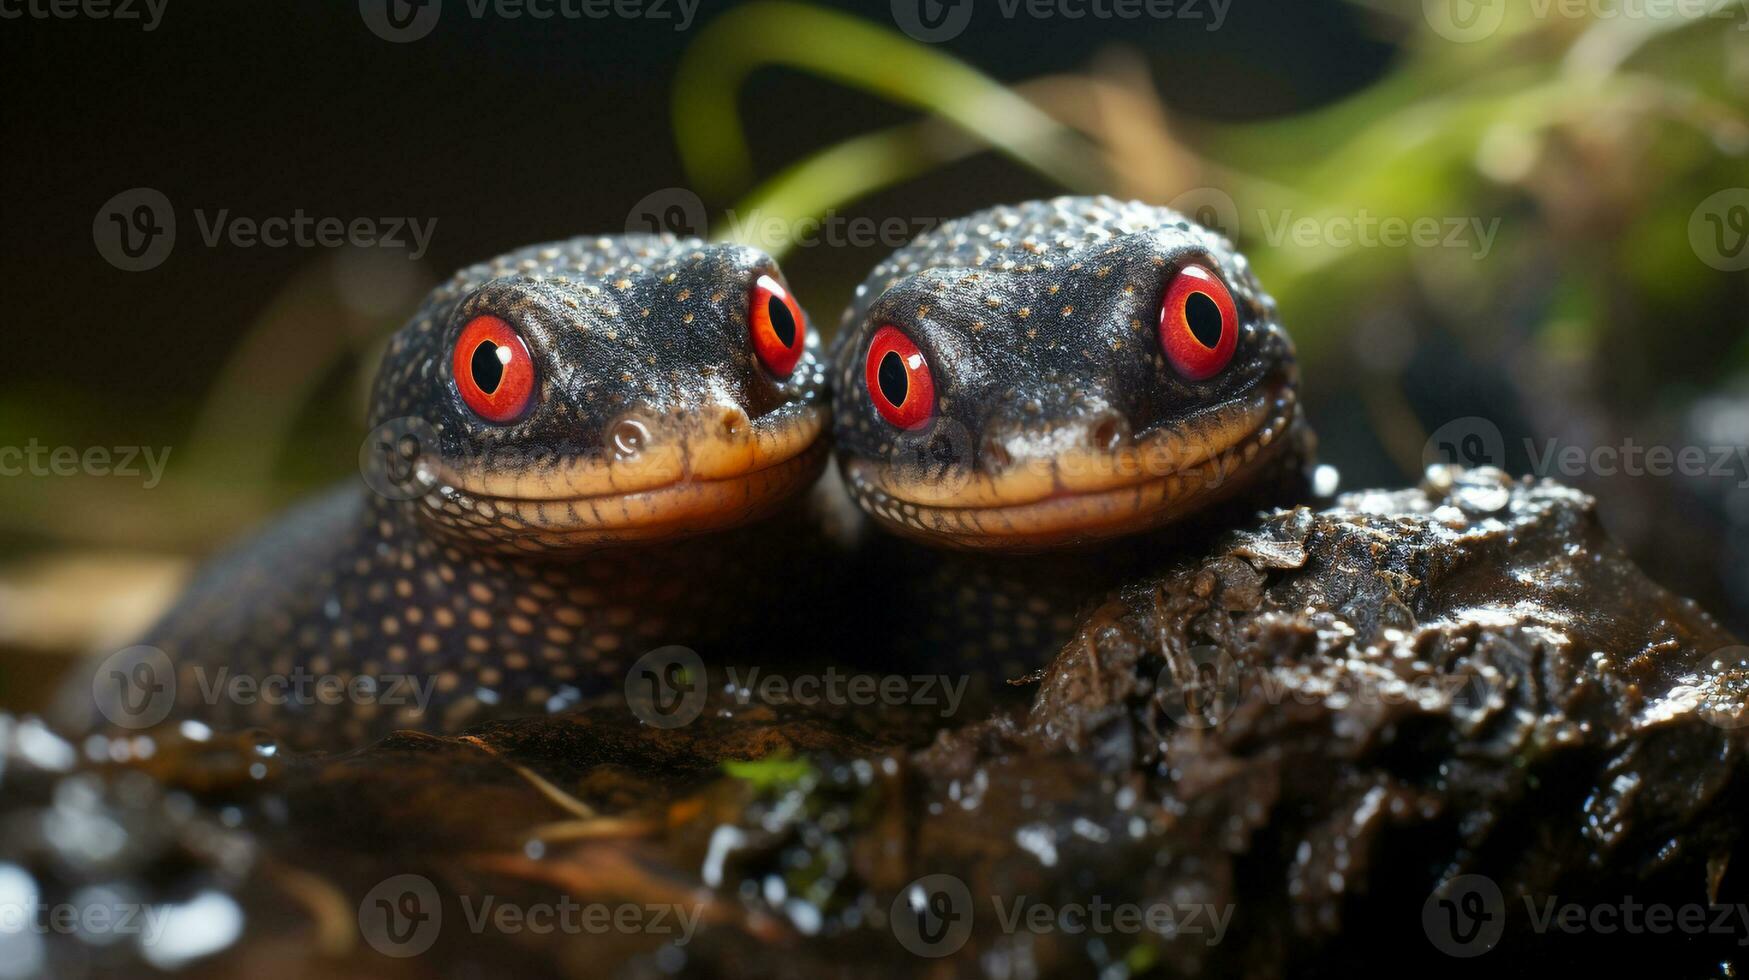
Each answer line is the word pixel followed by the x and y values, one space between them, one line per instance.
pixel 488 370
pixel 894 384
pixel 1204 318
pixel 782 323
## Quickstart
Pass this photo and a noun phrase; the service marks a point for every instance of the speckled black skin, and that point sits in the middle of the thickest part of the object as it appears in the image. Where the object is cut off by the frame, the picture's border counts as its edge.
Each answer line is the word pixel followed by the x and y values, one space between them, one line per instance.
pixel 495 604
pixel 1040 324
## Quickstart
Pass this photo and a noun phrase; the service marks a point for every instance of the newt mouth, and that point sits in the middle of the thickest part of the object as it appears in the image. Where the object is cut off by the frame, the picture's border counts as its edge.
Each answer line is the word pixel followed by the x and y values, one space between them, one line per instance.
pixel 694 476
pixel 1080 496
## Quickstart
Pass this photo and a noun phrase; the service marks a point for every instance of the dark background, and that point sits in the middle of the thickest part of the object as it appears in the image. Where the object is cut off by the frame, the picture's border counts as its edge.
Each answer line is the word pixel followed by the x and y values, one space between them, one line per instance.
pixel 505 131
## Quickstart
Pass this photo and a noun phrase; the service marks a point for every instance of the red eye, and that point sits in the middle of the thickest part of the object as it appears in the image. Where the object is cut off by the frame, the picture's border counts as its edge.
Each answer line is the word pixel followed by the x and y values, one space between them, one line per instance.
pixel 899 379
pixel 1199 326
pixel 493 370
pixel 778 328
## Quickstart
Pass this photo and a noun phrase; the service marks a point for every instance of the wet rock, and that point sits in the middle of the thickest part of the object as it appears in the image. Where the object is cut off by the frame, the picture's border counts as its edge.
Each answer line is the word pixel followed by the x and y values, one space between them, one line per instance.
pixel 1307 750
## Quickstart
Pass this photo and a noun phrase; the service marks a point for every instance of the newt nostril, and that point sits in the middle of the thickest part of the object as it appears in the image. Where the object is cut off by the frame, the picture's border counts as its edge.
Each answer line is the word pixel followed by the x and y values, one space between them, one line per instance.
pixel 995 454
pixel 734 421
pixel 1108 433
pixel 629 437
